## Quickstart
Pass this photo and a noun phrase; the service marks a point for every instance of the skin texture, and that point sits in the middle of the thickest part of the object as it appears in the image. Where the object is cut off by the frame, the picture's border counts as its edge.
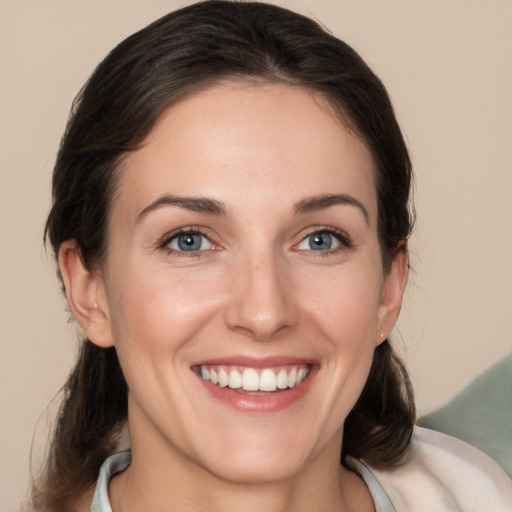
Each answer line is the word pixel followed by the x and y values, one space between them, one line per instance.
pixel 256 289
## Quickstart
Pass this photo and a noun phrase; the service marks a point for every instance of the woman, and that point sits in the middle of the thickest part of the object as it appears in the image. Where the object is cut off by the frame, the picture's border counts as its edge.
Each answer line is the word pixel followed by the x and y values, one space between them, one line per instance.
pixel 230 219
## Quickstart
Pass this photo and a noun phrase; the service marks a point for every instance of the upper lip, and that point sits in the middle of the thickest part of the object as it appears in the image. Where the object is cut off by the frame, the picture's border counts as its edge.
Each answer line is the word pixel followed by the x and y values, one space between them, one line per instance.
pixel 256 362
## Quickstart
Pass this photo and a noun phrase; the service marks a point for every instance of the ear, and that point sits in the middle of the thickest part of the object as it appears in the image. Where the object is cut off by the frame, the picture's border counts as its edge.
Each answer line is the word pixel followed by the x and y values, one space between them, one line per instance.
pixel 86 295
pixel 392 292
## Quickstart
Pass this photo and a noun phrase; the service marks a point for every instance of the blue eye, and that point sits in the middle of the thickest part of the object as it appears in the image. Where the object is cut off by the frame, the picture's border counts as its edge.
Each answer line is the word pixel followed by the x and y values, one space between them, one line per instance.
pixel 189 242
pixel 319 241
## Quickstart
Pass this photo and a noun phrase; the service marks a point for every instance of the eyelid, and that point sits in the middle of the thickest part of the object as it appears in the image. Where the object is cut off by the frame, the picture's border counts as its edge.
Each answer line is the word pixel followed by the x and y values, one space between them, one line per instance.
pixel 166 240
pixel 342 237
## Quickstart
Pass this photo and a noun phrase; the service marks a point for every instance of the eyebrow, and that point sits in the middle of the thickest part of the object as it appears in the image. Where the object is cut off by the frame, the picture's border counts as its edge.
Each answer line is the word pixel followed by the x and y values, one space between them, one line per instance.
pixel 196 204
pixel 213 207
pixel 316 203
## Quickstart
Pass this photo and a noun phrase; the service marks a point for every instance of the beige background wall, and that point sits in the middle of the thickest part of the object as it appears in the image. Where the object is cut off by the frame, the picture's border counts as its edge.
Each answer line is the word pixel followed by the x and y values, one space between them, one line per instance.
pixel 447 67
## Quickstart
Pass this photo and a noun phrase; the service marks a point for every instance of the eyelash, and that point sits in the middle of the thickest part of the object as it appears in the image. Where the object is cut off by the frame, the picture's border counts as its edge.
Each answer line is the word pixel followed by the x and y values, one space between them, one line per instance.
pixel 169 238
pixel 340 236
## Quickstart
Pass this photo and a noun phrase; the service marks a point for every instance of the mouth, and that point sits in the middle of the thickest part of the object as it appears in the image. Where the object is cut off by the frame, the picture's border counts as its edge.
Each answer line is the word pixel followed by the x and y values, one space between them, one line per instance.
pixel 254 380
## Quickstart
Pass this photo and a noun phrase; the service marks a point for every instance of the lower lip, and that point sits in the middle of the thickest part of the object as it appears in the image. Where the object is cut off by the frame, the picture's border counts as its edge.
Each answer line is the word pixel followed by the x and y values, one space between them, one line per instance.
pixel 264 402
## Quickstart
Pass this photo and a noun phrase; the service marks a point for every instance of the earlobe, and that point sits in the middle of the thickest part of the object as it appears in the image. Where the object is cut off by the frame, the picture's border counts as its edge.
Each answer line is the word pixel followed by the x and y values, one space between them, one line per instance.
pixel 392 293
pixel 85 293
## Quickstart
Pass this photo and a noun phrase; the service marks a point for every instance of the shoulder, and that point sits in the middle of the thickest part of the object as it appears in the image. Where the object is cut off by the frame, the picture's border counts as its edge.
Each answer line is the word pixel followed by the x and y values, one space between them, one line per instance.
pixel 445 474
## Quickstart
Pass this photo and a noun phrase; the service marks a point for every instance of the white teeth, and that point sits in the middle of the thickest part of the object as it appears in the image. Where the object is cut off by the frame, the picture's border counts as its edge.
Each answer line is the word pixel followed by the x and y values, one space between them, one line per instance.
pixel 205 373
pixel 252 379
pixel 292 377
pixel 268 381
pixel 235 379
pixel 282 379
pixel 223 378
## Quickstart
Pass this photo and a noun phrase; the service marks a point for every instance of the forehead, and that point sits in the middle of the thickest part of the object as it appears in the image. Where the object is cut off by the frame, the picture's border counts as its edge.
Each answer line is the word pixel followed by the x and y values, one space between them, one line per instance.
pixel 236 140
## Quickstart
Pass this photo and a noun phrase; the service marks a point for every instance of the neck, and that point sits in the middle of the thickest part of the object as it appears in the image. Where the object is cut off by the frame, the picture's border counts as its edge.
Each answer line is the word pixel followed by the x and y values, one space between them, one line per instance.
pixel 161 483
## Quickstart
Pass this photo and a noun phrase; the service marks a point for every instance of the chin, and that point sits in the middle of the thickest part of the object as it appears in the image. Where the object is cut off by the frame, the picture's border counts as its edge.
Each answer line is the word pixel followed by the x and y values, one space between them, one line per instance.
pixel 257 470
pixel 262 459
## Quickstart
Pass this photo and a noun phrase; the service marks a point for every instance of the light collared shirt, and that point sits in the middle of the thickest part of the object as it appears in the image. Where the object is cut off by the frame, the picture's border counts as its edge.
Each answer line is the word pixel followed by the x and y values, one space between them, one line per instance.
pixel 441 474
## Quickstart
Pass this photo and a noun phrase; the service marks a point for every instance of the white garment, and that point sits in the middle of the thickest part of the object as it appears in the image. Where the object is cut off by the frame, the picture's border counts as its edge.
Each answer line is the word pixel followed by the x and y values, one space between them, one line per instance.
pixel 441 474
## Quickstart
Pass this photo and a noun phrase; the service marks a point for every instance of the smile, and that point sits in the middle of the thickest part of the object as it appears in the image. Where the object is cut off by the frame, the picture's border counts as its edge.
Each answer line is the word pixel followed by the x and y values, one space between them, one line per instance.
pixel 254 379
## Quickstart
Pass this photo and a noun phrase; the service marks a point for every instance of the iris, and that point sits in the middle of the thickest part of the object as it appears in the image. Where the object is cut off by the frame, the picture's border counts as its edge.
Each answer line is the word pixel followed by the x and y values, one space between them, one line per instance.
pixel 320 241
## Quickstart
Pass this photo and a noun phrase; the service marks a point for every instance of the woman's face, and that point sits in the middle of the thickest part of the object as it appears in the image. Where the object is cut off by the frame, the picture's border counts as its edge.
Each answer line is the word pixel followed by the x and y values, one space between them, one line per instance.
pixel 243 251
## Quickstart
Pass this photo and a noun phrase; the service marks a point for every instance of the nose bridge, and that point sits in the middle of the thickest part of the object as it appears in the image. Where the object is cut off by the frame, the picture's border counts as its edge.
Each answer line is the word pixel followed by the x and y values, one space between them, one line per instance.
pixel 262 302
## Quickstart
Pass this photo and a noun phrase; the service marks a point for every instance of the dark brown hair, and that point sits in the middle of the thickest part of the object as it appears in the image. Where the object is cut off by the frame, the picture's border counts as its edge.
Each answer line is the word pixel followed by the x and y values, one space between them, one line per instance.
pixel 180 53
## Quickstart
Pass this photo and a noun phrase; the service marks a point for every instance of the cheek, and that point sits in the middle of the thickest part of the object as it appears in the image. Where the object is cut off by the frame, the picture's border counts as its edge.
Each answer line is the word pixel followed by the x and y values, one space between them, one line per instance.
pixel 342 309
pixel 159 311
pixel 345 303
pixel 156 320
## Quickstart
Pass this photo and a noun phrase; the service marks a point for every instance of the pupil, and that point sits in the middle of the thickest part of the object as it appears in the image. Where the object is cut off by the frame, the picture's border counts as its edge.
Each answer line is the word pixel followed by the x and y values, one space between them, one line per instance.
pixel 189 242
pixel 321 241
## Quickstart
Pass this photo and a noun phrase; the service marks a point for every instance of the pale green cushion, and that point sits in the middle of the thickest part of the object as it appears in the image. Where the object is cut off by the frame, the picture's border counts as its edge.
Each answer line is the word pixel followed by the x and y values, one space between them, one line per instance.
pixel 481 414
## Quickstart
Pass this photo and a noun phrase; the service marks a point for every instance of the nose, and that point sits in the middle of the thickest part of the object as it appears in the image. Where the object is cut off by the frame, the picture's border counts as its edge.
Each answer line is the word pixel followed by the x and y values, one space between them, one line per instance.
pixel 262 304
